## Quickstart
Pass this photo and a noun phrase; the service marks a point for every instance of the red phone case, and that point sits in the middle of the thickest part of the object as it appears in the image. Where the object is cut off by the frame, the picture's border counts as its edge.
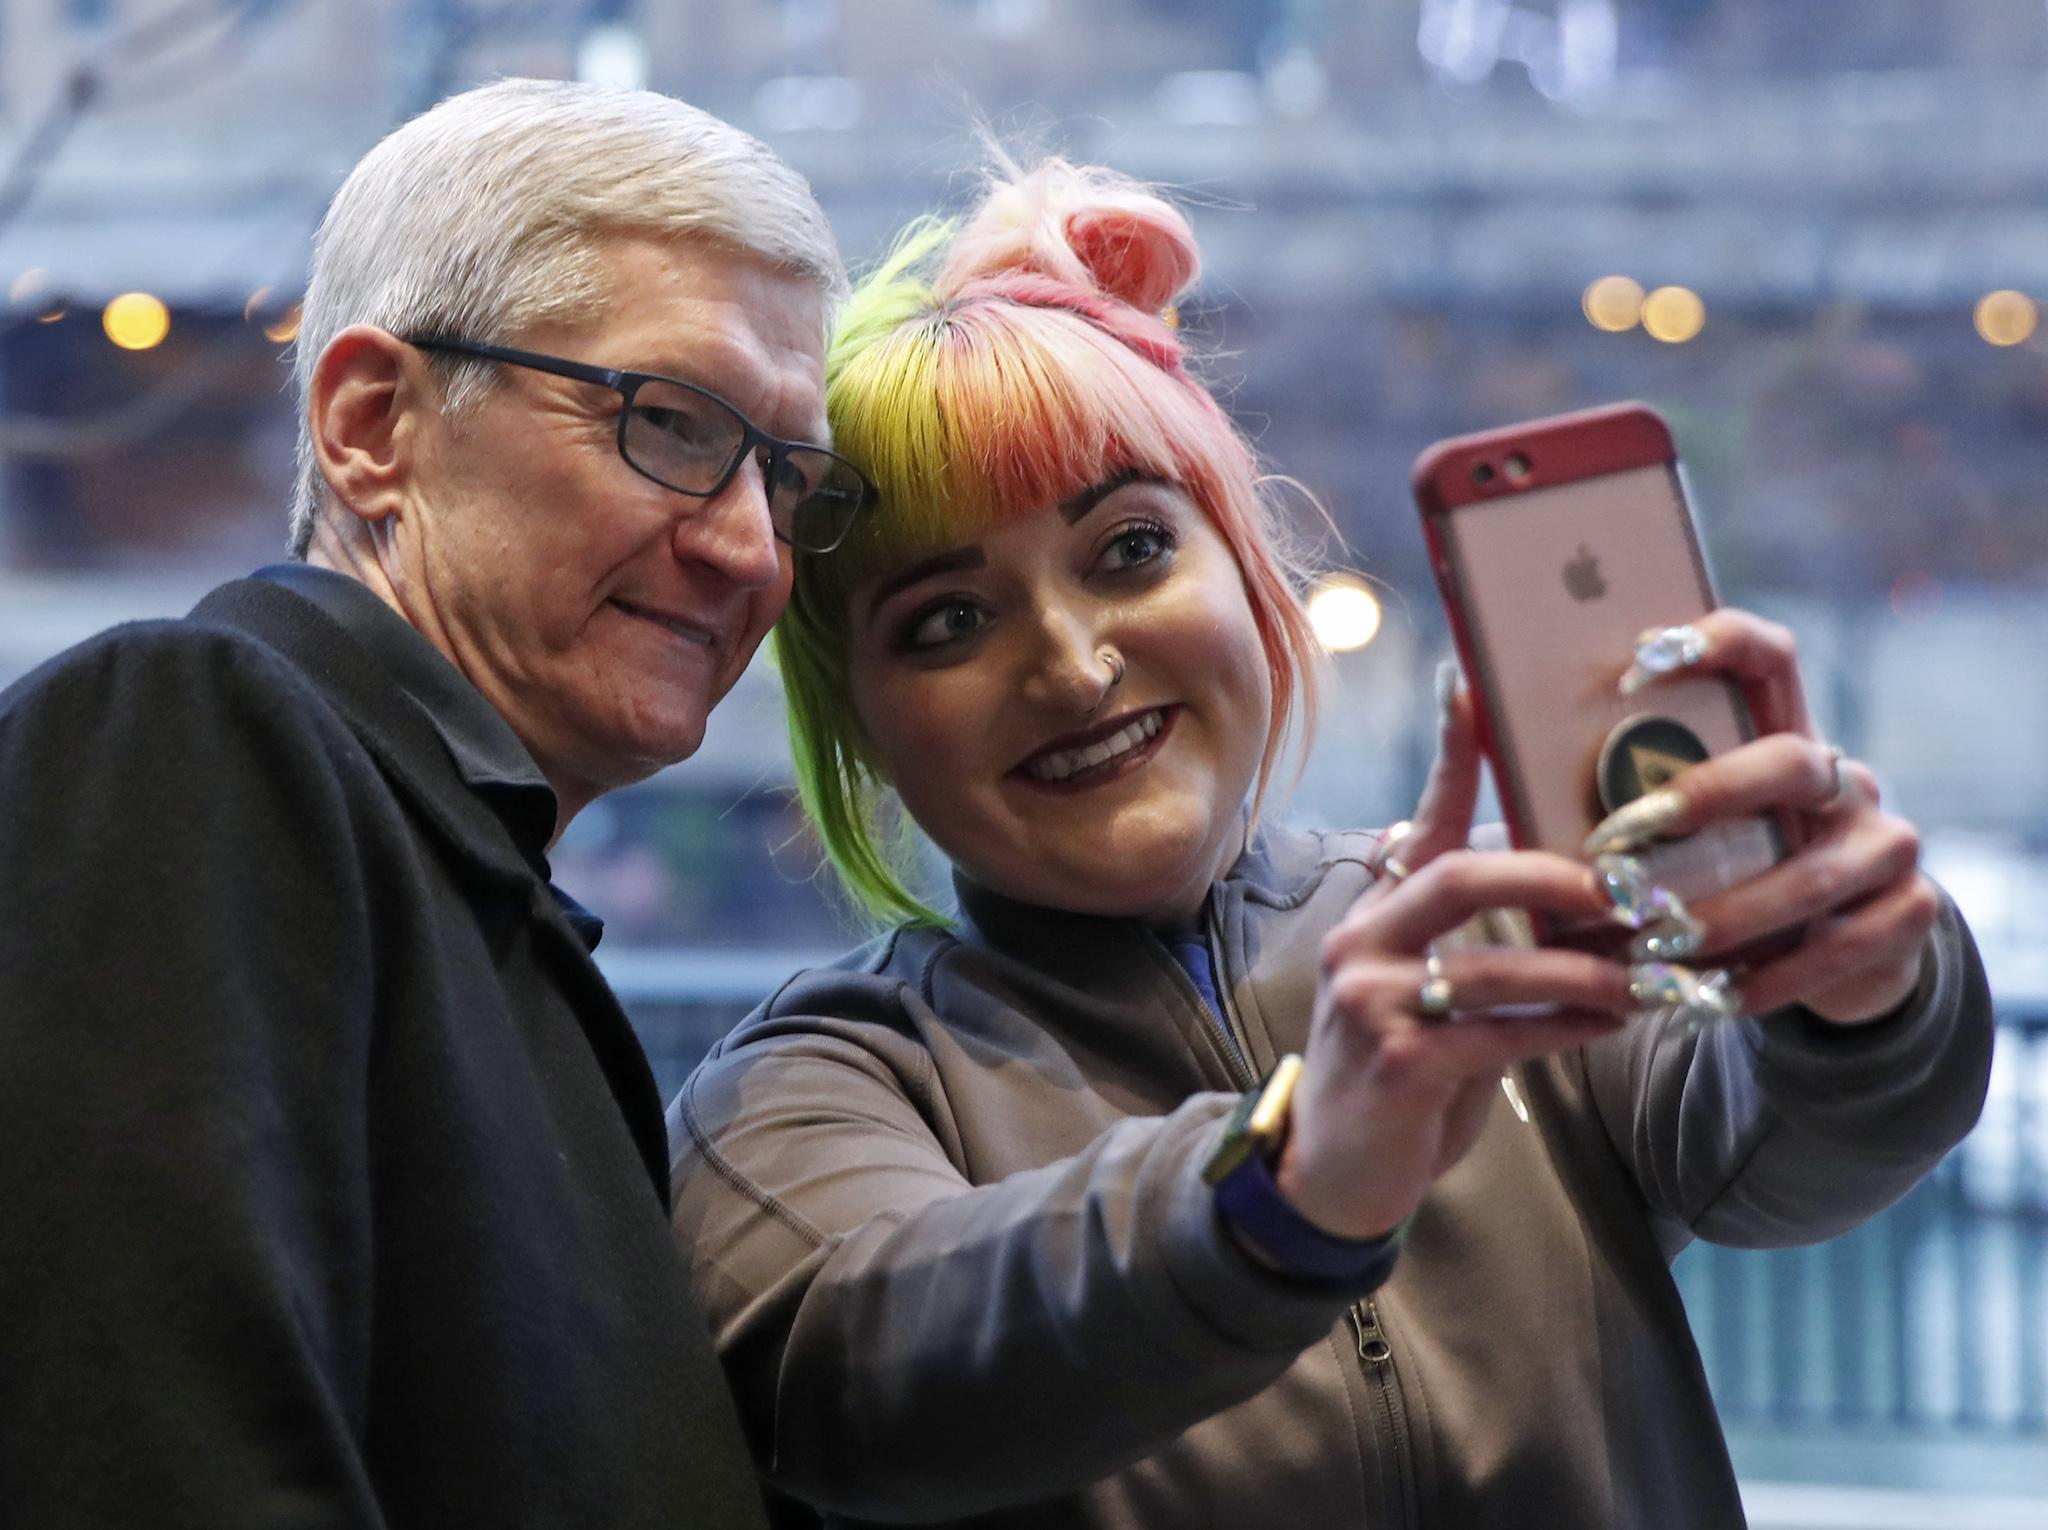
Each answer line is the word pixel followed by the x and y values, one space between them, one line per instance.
pixel 1514 516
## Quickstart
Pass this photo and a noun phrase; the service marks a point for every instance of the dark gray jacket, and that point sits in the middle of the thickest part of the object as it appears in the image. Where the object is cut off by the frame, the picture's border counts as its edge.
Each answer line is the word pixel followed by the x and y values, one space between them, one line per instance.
pixel 943 1203
pixel 333 1183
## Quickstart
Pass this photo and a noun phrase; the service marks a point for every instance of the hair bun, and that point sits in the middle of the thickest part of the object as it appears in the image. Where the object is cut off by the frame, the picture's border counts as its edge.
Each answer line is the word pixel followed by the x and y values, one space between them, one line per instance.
pixel 1079 224
pixel 1143 255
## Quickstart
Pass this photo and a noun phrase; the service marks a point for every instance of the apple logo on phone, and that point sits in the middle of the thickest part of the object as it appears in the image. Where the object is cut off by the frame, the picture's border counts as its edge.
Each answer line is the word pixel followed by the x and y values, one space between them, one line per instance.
pixel 1582 579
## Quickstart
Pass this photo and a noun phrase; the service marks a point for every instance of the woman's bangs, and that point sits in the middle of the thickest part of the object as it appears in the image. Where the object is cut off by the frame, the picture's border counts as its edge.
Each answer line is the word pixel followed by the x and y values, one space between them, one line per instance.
pixel 987 413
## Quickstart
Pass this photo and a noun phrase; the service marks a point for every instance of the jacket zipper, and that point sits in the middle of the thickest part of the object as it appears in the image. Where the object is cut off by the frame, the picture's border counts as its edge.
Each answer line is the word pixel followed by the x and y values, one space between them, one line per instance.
pixel 1373 1348
pixel 1227 1024
pixel 1374 1351
pixel 1377 1357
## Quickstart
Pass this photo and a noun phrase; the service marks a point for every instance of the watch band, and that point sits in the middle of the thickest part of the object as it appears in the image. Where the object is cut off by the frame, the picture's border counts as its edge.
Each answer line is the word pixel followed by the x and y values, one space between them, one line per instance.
pixel 1254 1211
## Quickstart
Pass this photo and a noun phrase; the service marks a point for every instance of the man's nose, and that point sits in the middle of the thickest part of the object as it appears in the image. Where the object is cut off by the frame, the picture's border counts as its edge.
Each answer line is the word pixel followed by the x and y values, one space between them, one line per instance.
pixel 733 531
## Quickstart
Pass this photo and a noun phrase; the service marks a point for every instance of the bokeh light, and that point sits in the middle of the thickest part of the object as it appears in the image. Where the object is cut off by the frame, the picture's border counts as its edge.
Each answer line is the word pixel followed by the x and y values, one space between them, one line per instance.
pixel 32 293
pixel 1613 303
pixel 135 321
pixel 286 329
pixel 1344 614
pixel 2006 317
pixel 1674 314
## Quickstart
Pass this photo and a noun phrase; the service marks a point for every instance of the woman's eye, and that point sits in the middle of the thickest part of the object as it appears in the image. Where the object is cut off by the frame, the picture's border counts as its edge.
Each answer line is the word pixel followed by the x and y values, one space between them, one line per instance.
pixel 1136 546
pixel 944 624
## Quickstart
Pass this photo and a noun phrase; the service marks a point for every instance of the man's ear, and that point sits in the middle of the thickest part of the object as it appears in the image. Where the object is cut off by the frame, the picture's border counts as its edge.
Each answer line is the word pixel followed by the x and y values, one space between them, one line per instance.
pixel 364 407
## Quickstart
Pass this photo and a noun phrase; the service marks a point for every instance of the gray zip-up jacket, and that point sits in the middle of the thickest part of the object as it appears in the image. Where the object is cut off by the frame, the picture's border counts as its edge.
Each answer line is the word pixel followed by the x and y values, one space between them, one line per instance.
pixel 943 1203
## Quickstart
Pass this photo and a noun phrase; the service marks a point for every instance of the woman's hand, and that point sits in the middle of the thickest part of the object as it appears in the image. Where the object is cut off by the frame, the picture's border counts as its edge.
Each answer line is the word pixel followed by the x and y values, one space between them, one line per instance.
pixel 1854 884
pixel 1391 1094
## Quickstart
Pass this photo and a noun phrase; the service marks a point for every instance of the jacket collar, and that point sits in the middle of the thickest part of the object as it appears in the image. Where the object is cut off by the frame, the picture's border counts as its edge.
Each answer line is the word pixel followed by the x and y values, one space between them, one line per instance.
pixel 401 737
pixel 396 730
pixel 487 754
pixel 1110 985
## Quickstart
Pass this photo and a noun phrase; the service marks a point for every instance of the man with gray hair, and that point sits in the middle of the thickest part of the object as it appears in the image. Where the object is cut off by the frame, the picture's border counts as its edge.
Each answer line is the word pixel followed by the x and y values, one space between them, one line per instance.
pixel 335 1191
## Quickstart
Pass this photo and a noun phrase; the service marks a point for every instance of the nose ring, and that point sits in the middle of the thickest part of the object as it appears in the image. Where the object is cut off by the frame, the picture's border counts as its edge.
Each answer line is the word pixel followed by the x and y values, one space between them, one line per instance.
pixel 1115 664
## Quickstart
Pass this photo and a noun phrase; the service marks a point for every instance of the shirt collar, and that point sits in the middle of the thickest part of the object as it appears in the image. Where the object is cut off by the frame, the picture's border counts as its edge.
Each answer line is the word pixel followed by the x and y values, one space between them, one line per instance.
pixel 485 751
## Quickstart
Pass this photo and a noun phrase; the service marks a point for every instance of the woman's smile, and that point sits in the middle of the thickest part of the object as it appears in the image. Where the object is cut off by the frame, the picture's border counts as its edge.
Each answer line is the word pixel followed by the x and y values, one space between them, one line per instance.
pixel 1095 756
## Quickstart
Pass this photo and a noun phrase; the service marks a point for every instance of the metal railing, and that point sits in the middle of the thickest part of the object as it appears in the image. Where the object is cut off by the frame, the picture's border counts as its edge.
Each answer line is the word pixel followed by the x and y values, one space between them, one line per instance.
pixel 1931 1317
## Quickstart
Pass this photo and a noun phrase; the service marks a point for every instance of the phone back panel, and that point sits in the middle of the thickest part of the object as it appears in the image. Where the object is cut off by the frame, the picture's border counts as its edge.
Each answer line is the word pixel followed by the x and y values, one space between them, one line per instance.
pixel 1582 568
pixel 1550 577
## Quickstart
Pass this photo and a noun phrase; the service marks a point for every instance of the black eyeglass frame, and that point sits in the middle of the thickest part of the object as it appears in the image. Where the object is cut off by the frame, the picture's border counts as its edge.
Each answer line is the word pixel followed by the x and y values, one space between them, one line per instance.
pixel 628 384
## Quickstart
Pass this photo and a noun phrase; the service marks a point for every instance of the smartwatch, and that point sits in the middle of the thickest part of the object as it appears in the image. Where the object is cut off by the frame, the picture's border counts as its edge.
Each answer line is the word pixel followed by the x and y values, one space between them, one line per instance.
pixel 1250 1204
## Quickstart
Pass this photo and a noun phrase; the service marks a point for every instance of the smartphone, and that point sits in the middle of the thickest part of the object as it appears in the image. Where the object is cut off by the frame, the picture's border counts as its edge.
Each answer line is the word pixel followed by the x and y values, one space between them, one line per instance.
pixel 1556 544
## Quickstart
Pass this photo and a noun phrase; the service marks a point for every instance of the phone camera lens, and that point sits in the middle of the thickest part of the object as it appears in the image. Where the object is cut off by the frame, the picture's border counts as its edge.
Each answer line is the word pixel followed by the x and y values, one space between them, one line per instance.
pixel 1518 467
pixel 1482 472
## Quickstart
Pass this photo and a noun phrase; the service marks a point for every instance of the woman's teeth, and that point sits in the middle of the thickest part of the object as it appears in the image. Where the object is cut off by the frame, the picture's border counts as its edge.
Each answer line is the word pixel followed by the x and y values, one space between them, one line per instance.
pixel 1062 763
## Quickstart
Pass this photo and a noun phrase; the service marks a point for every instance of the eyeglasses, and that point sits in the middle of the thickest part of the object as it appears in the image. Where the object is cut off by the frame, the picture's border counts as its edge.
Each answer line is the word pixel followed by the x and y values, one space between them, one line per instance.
pixel 689 439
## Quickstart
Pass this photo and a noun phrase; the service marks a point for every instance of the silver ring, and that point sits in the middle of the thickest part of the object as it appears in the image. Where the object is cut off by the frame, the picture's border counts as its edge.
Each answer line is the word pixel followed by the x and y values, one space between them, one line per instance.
pixel 1435 998
pixel 1115 662
pixel 1838 784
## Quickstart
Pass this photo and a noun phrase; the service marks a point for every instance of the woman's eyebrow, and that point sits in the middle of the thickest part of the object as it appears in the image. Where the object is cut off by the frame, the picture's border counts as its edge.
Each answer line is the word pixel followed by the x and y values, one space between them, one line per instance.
pixel 951 561
pixel 1078 505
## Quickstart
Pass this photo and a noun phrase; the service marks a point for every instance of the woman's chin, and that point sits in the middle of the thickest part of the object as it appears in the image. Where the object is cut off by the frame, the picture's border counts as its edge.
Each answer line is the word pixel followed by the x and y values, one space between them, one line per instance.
pixel 1124 878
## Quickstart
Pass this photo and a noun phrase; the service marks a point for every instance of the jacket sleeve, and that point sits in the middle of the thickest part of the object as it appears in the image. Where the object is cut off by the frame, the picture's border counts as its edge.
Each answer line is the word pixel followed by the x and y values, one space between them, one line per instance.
pixel 1782 1129
pixel 910 1346
pixel 184 989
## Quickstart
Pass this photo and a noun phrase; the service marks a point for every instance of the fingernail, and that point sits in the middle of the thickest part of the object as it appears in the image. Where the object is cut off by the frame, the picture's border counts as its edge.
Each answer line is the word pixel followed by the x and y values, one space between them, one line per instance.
pixel 1636 823
pixel 1662 651
pixel 1446 684
pixel 1697 996
pixel 1718 1000
pixel 1670 941
pixel 1634 900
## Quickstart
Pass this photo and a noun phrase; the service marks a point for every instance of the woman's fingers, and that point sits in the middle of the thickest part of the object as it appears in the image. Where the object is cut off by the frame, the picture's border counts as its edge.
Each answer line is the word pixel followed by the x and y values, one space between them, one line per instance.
pixel 1848 863
pixel 1387 990
pixel 1781 771
pixel 1486 1046
pixel 1424 1064
pixel 1761 657
pixel 1456 885
pixel 1443 815
pixel 1853 965
pixel 1506 1005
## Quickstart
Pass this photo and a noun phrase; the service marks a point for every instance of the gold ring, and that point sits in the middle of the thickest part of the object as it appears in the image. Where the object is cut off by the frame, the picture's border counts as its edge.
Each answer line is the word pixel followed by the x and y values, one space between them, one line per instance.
pixel 1383 862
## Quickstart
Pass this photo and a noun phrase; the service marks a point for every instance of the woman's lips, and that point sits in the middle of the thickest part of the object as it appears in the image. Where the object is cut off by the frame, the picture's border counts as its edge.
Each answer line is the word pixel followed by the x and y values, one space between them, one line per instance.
pixel 1098 754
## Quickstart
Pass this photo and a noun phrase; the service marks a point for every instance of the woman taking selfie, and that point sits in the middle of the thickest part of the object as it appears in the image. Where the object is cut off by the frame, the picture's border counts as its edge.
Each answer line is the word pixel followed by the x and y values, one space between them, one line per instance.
pixel 1173 1180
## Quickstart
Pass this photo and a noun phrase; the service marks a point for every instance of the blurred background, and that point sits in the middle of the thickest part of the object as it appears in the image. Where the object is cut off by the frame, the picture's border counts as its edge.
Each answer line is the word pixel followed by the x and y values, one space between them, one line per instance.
pixel 1814 233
